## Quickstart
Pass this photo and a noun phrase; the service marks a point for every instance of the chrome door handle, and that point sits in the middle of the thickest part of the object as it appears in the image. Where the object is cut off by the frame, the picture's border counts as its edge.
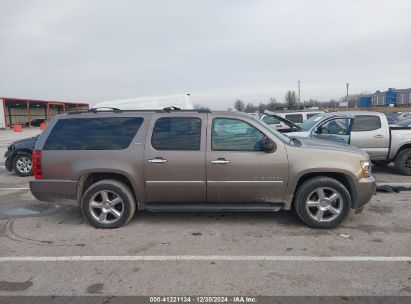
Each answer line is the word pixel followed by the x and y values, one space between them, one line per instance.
pixel 220 161
pixel 379 136
pixel 157 160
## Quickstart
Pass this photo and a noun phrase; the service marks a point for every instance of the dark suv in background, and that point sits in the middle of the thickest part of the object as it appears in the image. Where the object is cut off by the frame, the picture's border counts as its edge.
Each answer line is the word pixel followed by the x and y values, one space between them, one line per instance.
pixel 111 163
pixel 18 156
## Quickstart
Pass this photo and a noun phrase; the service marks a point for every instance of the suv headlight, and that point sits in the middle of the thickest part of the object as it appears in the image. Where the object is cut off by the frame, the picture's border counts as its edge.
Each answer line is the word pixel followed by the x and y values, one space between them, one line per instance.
pixel 366 168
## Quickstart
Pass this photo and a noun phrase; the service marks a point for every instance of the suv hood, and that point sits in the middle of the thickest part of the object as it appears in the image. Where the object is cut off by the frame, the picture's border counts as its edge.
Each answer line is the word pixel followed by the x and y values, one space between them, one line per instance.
pixel 329 145
pixel 26 142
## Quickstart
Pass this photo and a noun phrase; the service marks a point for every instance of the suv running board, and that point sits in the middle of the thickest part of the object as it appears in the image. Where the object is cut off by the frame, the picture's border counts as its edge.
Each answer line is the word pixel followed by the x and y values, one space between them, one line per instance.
pixel 211 207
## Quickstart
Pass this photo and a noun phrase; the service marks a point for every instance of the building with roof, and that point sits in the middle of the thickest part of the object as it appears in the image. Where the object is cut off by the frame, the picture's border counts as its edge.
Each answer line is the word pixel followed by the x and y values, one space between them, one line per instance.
pixel 391 97
pixel 31 112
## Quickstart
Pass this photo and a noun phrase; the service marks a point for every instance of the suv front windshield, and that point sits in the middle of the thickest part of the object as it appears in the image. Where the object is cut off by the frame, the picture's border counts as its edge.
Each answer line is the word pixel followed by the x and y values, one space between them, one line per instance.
pixel 279 135
pixel 309 123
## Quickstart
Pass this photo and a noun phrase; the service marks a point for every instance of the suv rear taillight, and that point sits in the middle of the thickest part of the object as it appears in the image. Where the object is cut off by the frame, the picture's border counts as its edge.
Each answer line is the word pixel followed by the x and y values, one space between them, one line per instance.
pixel 36 162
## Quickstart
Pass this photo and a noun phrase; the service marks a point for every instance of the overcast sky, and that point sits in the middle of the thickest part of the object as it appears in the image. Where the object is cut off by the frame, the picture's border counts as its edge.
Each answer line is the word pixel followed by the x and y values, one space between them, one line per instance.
pixel 216 50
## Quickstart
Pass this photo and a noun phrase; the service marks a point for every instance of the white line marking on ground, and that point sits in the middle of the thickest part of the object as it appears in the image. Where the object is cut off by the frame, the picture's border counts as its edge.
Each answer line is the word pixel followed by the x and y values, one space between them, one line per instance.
pixel 2 166
pixel 14 188
pixel 206 258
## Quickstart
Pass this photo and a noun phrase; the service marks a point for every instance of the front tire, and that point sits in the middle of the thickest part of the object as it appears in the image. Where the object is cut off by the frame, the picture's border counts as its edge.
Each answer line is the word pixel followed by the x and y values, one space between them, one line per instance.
pixel 403 162
pixel 108 204
pixel 381 163
pixel 22 164
pixel 322 202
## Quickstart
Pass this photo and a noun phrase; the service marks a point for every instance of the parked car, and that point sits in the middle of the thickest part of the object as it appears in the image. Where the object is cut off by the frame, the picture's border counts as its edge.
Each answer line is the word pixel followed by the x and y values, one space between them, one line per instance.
pixel 403 115
pixel 298 117
pixel 369 131
pixel 111 163
pixel 18 156
pixel 392 118
pixel 406 122
pixel 36 122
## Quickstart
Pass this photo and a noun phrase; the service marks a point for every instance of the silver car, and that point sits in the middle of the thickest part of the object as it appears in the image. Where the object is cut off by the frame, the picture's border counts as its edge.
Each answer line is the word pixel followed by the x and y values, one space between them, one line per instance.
pixel 369 131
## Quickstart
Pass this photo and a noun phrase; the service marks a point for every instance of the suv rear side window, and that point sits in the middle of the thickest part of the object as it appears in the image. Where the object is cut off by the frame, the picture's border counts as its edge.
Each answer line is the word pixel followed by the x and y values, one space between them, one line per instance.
pixel 366 123
pixel 108 133
pixel 235 135
pixel 295 118
pixel 177 133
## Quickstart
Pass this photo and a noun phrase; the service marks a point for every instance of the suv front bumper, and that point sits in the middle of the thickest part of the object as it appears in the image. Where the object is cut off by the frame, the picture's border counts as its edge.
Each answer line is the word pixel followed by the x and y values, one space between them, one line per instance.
pixel 365 188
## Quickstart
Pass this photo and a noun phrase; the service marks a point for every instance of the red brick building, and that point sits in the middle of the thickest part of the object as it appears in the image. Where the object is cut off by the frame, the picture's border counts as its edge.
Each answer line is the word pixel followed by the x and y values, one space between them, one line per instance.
pixel 27 112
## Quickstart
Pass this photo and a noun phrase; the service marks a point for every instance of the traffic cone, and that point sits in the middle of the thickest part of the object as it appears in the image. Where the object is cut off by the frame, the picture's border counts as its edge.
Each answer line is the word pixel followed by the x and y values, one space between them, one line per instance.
pixel 17 128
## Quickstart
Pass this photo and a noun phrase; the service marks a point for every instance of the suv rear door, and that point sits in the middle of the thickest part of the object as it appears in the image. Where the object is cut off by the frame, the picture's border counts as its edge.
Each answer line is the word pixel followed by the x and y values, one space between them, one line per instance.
pixel 237 170
pixel 174 157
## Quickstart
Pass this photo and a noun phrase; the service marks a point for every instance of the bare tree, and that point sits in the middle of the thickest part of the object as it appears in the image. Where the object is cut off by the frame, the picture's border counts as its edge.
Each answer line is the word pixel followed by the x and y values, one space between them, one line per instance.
pixel 272 104
pixel 250 108
pixel 354 99
pixel 239 105
pixel 313 103
pixel 261 107
pixel 290 99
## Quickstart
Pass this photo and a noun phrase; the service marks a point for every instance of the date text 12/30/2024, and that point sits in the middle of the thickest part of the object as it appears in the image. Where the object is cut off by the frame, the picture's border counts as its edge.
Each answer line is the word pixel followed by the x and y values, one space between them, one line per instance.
pixel 203 299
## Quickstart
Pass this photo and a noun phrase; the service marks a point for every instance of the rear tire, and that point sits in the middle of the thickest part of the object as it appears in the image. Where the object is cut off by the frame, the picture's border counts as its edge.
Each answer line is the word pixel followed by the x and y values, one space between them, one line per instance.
pixel 403 162
pixel 22 164
pixel 322 202
pixel 108 204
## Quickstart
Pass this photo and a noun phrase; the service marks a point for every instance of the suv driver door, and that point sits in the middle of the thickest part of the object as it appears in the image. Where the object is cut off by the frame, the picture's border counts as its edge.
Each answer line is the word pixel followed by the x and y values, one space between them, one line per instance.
pixel 238 170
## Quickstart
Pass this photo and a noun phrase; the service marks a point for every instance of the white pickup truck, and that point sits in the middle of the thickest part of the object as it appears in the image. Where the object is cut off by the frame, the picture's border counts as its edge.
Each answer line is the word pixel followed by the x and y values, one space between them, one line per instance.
pixel 366 130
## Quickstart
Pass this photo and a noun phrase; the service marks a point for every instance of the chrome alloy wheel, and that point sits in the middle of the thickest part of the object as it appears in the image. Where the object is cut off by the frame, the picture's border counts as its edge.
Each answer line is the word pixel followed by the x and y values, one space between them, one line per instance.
pixel 106 207
pixel 324 204
pixel 23 164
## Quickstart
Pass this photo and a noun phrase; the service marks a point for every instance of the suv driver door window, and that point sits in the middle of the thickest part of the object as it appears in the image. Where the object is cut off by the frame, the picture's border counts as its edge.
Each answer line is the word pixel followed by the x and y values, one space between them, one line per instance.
pixel 235 135
pixel 271 120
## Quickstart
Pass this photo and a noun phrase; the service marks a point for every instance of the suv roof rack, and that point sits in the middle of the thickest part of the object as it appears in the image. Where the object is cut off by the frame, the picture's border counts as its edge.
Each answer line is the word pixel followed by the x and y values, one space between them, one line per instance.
pixel 117 110
pixel 95 110
pixel 170 109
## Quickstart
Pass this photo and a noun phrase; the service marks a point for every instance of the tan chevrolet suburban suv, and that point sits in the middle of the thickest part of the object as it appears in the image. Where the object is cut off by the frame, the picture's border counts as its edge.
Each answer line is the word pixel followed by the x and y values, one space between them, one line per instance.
pixel 113 162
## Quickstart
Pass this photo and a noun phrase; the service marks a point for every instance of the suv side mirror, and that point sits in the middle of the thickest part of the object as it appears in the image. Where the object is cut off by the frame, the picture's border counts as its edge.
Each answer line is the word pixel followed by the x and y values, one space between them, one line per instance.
pixel 268 145
pixel 319 130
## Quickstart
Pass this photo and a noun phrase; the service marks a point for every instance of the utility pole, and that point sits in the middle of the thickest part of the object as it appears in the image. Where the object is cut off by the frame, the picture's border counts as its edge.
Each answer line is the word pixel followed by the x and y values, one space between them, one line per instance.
pixel 346 98
pixel 299 84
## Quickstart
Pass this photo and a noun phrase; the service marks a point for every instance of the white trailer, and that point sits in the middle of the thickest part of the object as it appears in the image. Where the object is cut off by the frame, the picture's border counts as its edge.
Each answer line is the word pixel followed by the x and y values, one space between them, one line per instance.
pixel 149 103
